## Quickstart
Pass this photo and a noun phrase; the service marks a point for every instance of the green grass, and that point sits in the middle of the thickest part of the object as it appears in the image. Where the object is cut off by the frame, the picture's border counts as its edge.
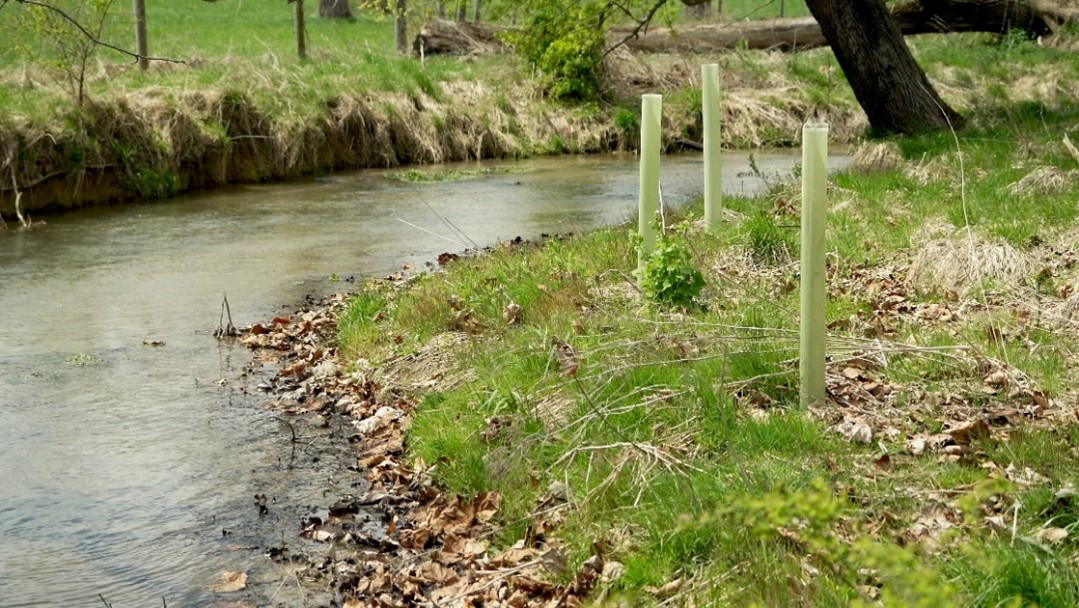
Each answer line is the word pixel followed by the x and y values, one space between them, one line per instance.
pixel 759 502
pixel 245 46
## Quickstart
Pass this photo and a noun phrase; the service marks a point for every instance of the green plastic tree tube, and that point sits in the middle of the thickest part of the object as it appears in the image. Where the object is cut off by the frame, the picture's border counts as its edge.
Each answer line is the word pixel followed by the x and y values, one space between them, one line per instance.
pixel 648 202
pixel 713 176
pixel 814 209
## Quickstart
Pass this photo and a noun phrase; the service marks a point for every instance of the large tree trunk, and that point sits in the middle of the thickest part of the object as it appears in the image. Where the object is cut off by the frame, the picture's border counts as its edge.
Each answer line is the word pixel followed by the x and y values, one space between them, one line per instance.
pixel 462 11
pixel 700 12
pixel 889 84
pixel 334 9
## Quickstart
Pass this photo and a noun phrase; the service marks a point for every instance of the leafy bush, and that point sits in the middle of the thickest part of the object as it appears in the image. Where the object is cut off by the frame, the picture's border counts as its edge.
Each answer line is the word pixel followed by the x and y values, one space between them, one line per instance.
pixel 565 41
pixel 669 277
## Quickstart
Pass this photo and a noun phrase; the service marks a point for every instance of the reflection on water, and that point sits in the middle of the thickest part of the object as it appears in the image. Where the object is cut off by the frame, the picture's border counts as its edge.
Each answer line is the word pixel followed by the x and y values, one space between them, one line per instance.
pixel 127 470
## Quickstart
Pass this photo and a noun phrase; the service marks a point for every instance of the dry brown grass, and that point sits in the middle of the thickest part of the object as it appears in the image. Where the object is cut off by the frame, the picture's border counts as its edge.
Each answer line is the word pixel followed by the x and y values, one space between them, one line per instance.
pixel 876 157
pixel 1045 179
pixel 962 261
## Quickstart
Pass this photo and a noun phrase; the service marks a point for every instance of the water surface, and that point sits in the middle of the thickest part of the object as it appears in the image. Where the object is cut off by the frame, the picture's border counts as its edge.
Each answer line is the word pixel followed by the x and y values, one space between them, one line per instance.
pixel 128 470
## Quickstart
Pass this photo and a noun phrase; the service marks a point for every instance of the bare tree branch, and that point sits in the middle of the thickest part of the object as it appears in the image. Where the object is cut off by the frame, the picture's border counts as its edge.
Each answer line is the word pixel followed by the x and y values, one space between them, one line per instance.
pixel 642 24
pixel 87 33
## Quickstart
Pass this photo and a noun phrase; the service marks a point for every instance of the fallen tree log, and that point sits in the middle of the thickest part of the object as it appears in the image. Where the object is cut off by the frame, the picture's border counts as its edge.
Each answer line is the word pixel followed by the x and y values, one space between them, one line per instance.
pixel 441 37
pixel 1036 17
pixel 775 34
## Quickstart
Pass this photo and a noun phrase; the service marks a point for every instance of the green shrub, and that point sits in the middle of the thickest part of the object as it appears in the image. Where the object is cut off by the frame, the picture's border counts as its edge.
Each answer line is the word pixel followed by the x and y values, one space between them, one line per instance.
pixel 669 277
pixel 563 40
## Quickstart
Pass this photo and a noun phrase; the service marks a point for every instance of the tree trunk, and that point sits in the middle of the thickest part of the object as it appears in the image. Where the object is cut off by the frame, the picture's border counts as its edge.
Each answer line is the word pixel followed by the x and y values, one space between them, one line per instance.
pixel 441 10
pixel 477 12
pixel 700 12
pixel 301 29
pixel 889 84
pixel 141 46
pixel 462 11
pixel 400 30
pixel 334 9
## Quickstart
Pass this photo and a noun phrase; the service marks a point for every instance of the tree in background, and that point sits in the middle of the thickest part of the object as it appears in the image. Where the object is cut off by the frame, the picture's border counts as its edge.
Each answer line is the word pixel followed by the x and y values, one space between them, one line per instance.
pixel 400 26
pixel 334 9
pixel 699 10
pixel 300 28
pixel 141 45
pixel 887 81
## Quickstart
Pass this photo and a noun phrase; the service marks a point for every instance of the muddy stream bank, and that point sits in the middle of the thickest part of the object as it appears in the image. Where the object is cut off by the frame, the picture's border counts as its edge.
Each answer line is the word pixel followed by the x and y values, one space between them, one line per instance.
pixel 132 444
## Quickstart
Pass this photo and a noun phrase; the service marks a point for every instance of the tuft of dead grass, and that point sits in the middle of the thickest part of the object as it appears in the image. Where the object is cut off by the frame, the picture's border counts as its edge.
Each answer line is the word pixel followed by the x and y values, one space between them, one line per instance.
pixel 876 157
pixel 963 261
pixel 1043 180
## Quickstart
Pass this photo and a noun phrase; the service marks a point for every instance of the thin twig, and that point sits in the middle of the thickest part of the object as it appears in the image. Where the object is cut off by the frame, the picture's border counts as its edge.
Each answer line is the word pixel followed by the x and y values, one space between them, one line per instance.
pixel 642 24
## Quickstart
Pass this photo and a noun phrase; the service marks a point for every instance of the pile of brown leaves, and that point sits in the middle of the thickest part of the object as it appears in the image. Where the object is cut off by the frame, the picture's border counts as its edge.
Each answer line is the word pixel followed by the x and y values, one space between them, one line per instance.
pixel 403 542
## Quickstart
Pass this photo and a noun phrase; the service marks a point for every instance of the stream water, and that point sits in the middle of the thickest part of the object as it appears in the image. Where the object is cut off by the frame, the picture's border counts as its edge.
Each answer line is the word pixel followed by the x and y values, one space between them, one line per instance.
pixel 127 470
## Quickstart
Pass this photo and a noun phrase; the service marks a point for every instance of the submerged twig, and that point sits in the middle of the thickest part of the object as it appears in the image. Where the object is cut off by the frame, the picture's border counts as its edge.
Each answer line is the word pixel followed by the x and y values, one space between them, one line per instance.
pixel 225 331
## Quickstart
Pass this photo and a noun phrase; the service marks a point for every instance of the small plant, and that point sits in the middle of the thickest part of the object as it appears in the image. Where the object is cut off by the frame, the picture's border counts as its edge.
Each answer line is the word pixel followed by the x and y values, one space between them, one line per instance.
pixel 669 277
pixel 768 242
pixel 149 184
pixel 627 121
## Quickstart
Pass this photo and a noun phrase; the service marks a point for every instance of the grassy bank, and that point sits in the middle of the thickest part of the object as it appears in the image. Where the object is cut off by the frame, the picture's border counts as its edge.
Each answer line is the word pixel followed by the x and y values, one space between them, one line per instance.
pixel 669 442
pixel 243 108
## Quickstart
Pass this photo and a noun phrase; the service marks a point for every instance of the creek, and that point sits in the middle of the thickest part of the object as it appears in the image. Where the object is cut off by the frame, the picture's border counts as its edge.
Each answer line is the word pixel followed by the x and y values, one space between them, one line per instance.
pixel 128 468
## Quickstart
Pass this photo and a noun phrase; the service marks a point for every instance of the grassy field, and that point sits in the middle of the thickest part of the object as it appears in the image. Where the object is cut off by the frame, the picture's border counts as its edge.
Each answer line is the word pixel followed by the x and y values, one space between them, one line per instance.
pixel 941 471
pixel 242 107
pixel 250 46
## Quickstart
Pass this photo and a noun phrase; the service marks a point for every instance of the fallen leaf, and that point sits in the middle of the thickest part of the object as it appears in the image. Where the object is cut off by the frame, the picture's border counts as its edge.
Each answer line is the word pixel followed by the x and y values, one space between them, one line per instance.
pixel 512 313
pixel 998 378
pixel 228 582
pixel 568 359
pixel 884 463
pixel 613 571
pixel 1051 536
pixel 969 431
pixel 666 590
pixel 855 430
